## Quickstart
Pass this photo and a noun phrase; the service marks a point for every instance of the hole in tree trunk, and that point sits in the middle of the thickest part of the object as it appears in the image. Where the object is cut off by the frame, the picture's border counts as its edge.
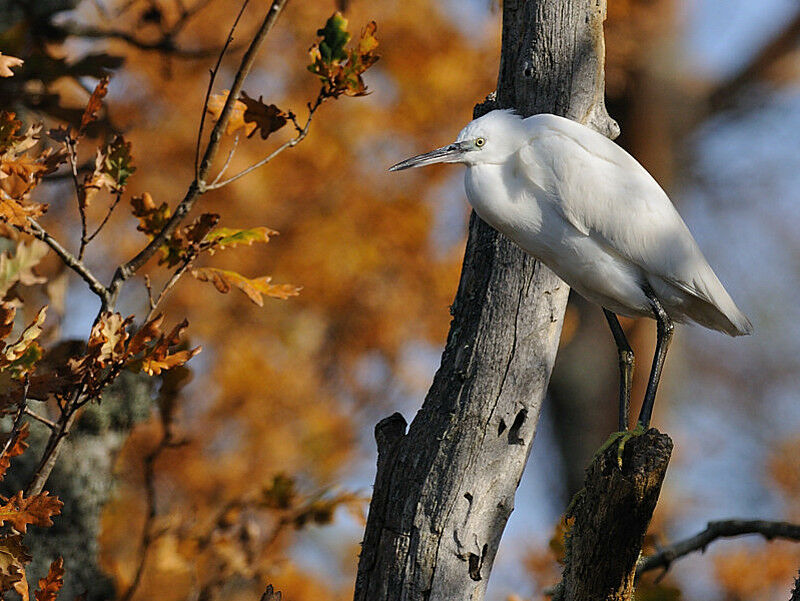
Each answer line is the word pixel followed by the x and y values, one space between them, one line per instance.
pixel 513 432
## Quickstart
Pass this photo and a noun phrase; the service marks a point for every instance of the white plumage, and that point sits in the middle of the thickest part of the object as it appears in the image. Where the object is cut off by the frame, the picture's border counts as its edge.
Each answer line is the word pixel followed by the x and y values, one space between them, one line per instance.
pixel 587 209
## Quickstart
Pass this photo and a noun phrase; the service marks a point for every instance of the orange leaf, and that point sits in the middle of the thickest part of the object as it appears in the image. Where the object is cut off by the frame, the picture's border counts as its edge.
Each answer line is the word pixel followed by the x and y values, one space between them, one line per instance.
pixel 6 62
pixel 52 583
pixel 236 121
pixel 153 366
pixel 15 449
pixel 94 105
pixel 223 280
pixel 36 511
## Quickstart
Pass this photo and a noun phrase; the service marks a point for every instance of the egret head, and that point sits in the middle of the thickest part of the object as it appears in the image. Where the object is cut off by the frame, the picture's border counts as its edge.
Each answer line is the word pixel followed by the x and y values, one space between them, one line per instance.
pixel 488 139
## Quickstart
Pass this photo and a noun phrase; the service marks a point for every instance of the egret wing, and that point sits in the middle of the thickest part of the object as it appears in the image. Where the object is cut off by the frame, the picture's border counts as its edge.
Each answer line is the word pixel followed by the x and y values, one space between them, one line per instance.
pixel 605 193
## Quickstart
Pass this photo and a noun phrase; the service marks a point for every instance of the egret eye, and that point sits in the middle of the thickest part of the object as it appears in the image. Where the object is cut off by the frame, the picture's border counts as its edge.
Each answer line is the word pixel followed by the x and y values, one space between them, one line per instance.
pixel 480 142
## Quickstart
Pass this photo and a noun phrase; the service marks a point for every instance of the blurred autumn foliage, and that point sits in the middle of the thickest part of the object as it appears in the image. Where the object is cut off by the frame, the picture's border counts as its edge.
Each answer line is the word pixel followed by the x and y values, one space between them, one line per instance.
pixel 210 490
pixel 250 442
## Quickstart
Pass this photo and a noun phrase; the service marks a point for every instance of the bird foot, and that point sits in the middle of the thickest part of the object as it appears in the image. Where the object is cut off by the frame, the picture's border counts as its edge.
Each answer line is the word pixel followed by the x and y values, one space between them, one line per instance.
pixel 620 439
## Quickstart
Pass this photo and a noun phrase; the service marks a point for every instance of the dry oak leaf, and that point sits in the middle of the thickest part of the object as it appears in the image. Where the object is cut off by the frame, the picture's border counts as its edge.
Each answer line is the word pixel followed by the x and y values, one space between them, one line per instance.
pixel 94 105
pixel 224 237
pixel 236 120
pixel 7 313
pixel 7 62
pixel 108 339
pixel 15 449
pixel 19 268
pixel 52 583
pixel 12 352
pixel 35 511
pixel 267 118
pixel 159 359
pixel 223 280
pixel 12 576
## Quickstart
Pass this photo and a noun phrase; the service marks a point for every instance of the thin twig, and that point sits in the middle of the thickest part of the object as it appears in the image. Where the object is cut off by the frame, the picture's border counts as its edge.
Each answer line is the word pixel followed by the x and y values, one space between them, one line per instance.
pixel 23 403
pixel 73 166
pixel 714 530
pixel 227 161
pixel 70 260
pixel 212 78
pixel 169 285
pixel 40 418
pixel 302 133
pixel 150 302
pixel 105 219
pixel 198 186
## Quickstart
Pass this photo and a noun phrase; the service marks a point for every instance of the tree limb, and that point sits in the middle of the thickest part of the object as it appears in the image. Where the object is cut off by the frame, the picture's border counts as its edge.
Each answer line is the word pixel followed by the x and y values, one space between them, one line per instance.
pixel 198 186
pixel 610 518
pixel 70 260
pixel 714 530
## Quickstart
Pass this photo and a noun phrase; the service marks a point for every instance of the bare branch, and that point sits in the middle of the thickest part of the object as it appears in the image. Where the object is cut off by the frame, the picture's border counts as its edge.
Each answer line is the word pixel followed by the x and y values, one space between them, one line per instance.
pixel 227 161
pixel 197 187
pixel 302 133
pixel 23 403
pixel 187 262
pixel 54 444
pixel 212 78
pixel 39 418
pixel 70 260
pixel 714 530
pixel 105 219
pixel 73 167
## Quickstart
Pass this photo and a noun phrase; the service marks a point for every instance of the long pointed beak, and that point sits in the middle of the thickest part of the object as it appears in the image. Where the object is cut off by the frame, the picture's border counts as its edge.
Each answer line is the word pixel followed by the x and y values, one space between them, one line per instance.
pixel 451 153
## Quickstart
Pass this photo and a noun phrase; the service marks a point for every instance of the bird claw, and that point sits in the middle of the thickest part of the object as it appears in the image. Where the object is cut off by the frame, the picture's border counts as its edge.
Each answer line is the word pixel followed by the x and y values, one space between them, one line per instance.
pixel 621 438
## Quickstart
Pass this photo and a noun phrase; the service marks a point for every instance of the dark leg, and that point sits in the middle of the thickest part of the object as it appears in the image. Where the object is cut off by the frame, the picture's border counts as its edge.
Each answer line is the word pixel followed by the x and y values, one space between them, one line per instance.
pixel 664 329
pixel 625 369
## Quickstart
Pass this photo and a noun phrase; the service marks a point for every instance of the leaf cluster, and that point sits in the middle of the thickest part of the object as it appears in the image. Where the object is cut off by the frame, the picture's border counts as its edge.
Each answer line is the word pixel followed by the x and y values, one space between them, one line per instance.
pixel 339 68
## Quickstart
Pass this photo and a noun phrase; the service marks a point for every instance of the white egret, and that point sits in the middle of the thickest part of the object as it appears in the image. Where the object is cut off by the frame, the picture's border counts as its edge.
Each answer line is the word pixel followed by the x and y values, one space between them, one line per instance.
pixel 575 200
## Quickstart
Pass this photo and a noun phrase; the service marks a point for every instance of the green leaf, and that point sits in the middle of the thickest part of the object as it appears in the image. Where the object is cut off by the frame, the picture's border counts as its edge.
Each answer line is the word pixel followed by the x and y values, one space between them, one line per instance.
pixel 118 162
pixel 335 37
pixel 225 237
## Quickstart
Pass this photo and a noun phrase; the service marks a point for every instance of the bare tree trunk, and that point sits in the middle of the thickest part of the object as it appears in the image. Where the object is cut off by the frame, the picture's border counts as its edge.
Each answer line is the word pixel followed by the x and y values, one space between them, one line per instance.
pixel 444 490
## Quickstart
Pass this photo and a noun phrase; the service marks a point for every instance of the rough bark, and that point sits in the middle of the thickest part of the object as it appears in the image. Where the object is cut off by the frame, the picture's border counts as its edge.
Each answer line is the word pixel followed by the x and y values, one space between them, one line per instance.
pixel 609 518
pixel 444 490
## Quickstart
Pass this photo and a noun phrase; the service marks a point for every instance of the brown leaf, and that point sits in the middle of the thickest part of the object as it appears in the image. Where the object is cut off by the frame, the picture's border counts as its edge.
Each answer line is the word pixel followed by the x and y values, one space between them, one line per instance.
pixel 223 280
pixel 6 62
pixel 52 583
pixel 197 231
pixel 7 313
pixel 36 511
pixel 267 118
pixel 146 334
pixel 94 105
pixel 236 120
pixel 159 359
pixel 17 349
pixel 108 338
